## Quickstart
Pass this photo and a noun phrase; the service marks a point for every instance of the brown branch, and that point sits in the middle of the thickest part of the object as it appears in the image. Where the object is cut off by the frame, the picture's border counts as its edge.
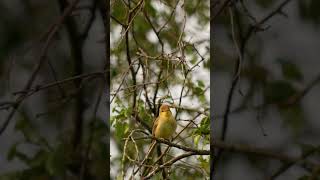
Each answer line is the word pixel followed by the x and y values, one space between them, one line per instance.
pixel 157 88
pixel 91 131
pixel 181 93
pixel 122 81
pixel 143 123
pixel 76 46
pixel 236 70
pixel 132 14
pixel 169 163
pixel 138 85
pixel 190 122
pixel 133 73
pixel 56 83
pixel 144 73
pixel 171 15
pixel 146 90
pixel 55 77
pixel 104 9
pixel 117 21
pixel 286 166
pixel 185 148
pixel 192 109
pixel 89 24
pixel 258 25
pixel 298 96
pixel 42 58
pixel 238 148
pixel 154 30
pixel 222 7
pixel 190 151
pixel 288 102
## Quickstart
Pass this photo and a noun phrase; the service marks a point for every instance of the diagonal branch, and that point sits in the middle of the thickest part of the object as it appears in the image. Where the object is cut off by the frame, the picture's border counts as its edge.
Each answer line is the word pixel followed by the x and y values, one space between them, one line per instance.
pixel 42 58
pixel 238 148
pixel 235 80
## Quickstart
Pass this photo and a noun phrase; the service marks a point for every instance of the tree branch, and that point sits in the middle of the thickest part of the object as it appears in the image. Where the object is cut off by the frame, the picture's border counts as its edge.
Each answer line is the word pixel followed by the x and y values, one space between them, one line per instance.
pixel 42 58
pixel 238 148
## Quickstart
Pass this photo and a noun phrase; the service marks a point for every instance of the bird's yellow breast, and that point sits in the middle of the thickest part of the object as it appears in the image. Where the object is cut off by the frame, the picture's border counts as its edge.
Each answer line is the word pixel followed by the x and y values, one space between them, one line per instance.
pixel 166 125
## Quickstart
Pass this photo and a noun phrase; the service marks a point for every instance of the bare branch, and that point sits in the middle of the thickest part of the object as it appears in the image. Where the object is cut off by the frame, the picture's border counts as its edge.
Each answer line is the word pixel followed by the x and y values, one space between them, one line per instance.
pixel 42 58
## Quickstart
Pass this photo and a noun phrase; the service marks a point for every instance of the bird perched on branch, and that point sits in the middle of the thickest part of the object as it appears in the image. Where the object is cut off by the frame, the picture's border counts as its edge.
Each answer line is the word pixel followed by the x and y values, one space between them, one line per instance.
pixel 164 127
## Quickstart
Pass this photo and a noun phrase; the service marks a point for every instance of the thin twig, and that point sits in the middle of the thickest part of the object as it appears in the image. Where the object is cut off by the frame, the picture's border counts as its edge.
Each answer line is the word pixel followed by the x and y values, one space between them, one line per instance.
pixel 42 58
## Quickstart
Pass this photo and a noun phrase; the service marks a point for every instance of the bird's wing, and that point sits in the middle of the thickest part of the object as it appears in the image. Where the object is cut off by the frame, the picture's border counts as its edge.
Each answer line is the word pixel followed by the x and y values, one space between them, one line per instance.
pixel 154 126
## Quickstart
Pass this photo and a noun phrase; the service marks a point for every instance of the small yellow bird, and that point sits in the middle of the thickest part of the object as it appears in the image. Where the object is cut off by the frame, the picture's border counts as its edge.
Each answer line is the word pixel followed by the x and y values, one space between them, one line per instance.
pixel 164 127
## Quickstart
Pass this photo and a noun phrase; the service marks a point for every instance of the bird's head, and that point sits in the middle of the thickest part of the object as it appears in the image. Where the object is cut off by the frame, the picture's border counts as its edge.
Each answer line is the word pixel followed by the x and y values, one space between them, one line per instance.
pixel 165 109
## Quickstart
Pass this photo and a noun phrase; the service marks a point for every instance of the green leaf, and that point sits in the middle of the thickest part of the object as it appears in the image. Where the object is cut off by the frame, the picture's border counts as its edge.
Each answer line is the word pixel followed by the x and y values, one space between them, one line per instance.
pixel 121 129
pixel 200 84
pixel 204 162
pixel 119 177
pixel 118 11
pixel 193 60
pixel 198 90
pixel 196 139
pixel 204 128
pixel 150 9
pixel 190 7
pixel 202 98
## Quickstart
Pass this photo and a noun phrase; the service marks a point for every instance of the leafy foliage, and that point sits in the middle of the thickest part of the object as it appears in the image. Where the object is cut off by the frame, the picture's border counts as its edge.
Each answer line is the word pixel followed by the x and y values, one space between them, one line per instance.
pixel 53 132
pixel 156 60
pixel 271 84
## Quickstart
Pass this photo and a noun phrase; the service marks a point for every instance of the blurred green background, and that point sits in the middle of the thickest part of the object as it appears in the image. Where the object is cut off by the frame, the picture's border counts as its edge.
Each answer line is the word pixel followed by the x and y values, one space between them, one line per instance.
pixel 278 91
pixel 58 132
